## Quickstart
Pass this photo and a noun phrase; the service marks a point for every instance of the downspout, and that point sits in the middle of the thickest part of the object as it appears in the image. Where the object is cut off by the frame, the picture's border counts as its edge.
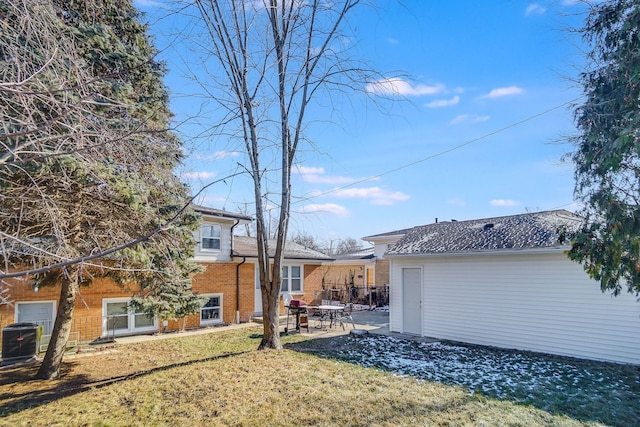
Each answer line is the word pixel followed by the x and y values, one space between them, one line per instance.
pixel 244 259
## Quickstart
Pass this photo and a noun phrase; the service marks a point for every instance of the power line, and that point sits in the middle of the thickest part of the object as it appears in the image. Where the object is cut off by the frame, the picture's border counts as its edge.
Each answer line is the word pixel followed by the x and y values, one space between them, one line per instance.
pixel 441 153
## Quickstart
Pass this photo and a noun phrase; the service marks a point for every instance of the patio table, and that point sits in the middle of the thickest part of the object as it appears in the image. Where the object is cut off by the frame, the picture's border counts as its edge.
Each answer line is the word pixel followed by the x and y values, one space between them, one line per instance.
pixel 328 314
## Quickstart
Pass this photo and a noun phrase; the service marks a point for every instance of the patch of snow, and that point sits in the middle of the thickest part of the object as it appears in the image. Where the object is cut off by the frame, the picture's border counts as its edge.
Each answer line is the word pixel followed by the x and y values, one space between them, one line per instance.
pixel 490 371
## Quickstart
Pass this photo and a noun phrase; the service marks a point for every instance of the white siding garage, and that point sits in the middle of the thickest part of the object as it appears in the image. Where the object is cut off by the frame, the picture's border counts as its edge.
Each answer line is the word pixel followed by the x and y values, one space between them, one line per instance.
pixel 535 300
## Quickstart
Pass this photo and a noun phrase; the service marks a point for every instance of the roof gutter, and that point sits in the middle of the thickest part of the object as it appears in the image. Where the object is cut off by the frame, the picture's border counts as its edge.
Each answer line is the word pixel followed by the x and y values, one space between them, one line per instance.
pixel 549 250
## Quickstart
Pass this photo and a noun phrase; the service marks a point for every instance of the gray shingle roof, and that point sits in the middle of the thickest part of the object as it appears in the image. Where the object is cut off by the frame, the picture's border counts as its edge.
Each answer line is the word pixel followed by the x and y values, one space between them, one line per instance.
pixel 362 254
pixel 526 231
pixel 248 246
pixel 388 234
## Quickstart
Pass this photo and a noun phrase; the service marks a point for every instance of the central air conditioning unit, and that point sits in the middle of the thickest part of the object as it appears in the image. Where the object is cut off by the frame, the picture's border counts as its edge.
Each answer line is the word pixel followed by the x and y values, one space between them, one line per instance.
pixel 19 341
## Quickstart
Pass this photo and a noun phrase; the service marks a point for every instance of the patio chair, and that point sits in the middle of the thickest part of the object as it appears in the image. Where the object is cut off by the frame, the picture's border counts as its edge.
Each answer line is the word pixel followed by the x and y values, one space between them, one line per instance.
pixel 286 298
pixel 321 319
pixel 345 316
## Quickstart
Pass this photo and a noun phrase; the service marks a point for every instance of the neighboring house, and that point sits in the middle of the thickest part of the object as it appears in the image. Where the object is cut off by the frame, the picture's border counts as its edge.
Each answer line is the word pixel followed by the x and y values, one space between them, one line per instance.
pixel 229 281
pixel 360 277
pixel 353 268
pixel 506 282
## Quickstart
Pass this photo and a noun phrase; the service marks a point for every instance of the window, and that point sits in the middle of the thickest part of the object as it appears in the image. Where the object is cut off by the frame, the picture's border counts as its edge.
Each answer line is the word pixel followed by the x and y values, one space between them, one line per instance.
pixel 292 279
pixel 120 319
pixel 211 237
pixel 211 312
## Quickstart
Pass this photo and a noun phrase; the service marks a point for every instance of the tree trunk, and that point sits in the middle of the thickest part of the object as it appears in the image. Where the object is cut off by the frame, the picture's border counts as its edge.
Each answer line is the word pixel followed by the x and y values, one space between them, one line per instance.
pixel 270 316
pixel 50 367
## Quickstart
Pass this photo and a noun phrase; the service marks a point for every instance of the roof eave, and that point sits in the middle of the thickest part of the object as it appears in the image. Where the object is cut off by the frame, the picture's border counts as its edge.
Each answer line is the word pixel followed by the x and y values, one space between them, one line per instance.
pixel 286 258
pixel 219 214
pixel 370 260
pixel 541 250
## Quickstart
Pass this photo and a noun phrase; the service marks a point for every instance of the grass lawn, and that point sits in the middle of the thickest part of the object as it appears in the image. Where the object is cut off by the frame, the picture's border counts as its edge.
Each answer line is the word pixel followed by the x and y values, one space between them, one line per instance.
pixel 220 379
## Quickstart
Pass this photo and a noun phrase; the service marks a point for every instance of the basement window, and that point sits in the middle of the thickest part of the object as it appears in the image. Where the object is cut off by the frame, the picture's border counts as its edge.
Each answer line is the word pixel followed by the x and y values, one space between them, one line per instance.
pixel 211 312
pixel 120 319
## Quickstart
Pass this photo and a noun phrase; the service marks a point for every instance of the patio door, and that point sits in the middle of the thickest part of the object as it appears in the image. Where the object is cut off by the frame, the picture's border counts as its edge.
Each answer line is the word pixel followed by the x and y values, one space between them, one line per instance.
pixel 412 300
pixel 370 277
pixel 40 313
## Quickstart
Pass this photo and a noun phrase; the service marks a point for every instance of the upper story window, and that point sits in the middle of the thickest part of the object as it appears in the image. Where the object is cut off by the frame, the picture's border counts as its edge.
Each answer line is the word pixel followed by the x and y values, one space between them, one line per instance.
pixel 292 278
pixel 211 237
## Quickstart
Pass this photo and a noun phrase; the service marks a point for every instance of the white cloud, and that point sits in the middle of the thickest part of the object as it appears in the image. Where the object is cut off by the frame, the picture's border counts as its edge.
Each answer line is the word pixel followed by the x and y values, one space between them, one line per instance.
pixel 504 202
pixel 307 170
pixel 443 102
pixel 393 41
pixel 504 91
pixel 397 86
pixel 203 175
pixel 375 195
pixel 219 155
pixel 469 118
pixel 456 201
pixel 535 8
pixel 331 208
pixel 315 175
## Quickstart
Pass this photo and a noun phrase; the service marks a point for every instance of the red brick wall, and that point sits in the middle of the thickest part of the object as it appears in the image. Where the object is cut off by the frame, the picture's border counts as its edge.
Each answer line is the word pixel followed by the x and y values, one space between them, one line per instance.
pixel 312 281
pixel 88 311
pixel 382 272
pixel 218 278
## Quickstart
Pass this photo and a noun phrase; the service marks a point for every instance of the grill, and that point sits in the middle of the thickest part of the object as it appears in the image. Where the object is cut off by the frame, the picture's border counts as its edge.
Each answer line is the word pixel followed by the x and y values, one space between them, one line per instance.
pixel 298 309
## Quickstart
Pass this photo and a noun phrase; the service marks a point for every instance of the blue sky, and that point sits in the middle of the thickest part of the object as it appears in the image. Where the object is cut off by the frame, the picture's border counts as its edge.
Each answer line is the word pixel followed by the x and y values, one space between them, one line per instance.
pixel 478 132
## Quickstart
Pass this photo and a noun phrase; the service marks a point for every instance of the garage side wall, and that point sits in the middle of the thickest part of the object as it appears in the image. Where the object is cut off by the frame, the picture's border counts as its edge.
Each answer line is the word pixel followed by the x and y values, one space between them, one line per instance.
pixel 538 302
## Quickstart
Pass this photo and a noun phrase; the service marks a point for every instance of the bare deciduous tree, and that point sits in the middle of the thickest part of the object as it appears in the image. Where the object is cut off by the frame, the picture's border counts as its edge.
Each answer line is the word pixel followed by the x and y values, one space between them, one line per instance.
pixel 347 245
pixel 268 60
pixel 308 241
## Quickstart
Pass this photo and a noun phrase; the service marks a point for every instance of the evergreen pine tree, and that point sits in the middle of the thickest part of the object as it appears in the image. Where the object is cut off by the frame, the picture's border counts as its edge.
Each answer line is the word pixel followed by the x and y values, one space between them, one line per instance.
pixel 87 160
pixel 607 157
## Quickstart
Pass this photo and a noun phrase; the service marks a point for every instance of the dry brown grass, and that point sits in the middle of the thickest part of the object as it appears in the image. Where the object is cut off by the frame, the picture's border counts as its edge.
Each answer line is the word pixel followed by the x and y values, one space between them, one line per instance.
pixel 219 379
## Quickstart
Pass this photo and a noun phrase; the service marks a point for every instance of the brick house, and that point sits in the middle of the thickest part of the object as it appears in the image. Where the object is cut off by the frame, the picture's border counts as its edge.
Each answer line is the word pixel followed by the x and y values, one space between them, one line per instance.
pixel 229 280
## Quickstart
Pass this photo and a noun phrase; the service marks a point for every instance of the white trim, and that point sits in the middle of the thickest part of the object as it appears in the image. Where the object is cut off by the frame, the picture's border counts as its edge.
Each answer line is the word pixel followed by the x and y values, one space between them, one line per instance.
pixel 257 292
pixel 220 317
pixel 131 317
